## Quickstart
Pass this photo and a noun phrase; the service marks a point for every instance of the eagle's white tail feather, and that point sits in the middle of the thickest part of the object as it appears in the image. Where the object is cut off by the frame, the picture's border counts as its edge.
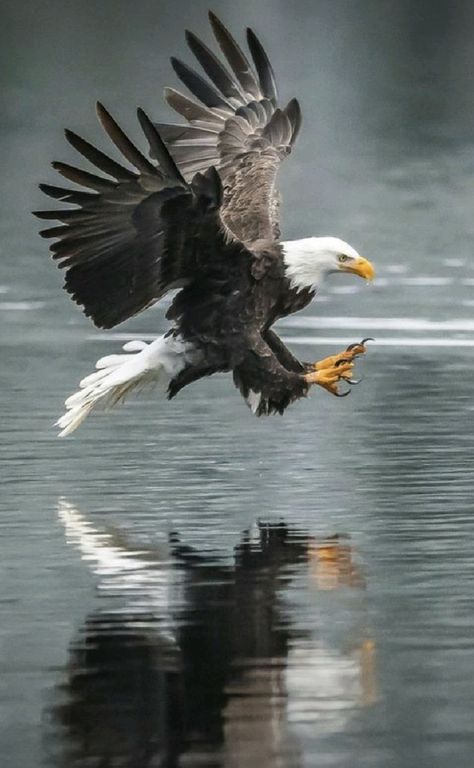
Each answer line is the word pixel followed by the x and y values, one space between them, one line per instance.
pixel 118 375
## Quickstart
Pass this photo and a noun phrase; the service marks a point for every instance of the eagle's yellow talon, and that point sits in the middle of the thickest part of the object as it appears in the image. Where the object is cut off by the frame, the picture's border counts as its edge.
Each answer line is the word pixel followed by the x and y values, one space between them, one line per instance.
pixel 329 372
pixel 357 349
pixel 329 377
pixel 353 350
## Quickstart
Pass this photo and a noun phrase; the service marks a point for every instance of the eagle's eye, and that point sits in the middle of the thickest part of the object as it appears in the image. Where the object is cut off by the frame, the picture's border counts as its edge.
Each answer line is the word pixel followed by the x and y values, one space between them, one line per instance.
pixel 342 258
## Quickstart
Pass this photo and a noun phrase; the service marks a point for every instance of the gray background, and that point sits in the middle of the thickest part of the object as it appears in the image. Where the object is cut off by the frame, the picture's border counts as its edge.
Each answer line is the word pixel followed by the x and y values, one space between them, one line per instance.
pixel 386 161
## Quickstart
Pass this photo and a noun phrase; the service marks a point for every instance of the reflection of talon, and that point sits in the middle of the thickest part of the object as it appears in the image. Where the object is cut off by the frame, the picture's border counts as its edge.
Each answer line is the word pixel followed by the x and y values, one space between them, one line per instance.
pixel 333 564
pixel 329 377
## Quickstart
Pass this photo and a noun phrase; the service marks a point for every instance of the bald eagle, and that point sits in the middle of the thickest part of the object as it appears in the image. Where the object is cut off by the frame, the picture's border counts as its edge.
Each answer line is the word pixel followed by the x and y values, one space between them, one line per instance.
pixel 198 214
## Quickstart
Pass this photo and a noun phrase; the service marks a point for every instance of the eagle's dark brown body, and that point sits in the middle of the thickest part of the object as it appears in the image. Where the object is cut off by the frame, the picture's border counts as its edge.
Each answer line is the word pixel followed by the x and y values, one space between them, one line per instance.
pixel 227 315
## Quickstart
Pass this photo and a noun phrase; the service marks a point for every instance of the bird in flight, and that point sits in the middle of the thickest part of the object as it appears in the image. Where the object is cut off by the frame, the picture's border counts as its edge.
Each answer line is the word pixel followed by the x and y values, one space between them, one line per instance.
pixel 199 213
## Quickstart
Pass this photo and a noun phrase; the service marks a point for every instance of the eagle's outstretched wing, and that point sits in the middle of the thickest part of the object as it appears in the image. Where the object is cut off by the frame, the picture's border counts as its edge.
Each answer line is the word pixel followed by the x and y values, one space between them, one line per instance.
pixel 237 127
pixel 137 234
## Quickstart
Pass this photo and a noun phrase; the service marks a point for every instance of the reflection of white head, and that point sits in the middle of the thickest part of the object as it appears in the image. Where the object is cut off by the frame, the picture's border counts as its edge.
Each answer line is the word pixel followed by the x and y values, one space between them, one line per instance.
pixel 324 689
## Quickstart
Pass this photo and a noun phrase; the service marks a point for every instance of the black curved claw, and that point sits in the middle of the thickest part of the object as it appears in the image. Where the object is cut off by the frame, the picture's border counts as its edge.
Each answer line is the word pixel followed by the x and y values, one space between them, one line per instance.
pixel 359 343
pixel 342 394
pixel 353 381
pixel 342 361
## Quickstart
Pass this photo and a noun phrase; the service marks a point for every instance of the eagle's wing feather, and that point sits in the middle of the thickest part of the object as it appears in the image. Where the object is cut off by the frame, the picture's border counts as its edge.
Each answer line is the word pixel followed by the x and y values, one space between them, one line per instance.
pixel 136 234
pixel 237 127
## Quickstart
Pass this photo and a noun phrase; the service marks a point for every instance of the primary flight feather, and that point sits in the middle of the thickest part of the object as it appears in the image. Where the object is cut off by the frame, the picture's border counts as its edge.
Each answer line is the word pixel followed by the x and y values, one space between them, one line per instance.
pixel 199 213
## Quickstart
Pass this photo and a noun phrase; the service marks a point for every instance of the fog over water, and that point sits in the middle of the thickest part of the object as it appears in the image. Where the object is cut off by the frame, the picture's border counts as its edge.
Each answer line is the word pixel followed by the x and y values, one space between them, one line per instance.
pixel 186 585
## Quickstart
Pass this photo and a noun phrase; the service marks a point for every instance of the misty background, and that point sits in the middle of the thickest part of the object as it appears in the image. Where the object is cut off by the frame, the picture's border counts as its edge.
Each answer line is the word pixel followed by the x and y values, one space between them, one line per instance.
pixel 385 160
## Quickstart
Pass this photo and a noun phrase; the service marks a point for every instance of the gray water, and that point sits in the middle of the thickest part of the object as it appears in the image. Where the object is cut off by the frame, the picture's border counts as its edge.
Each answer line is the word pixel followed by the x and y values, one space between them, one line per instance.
pixel 186 585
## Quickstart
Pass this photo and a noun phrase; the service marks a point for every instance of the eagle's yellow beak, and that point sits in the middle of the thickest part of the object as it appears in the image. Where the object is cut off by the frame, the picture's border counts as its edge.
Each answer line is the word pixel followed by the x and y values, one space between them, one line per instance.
pixel 361 267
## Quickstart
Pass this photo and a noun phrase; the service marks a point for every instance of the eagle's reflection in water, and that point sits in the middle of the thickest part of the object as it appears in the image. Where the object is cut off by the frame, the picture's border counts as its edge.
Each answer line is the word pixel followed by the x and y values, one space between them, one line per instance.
pixel 194 663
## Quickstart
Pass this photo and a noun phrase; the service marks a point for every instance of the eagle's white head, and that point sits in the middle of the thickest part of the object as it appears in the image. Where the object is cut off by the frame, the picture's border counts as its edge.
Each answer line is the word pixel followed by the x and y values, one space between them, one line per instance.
pixel 309 260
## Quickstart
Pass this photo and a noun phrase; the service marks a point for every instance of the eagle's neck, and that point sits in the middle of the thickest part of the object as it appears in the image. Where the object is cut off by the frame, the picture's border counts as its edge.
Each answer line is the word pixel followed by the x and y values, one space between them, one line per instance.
pixel 304 268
